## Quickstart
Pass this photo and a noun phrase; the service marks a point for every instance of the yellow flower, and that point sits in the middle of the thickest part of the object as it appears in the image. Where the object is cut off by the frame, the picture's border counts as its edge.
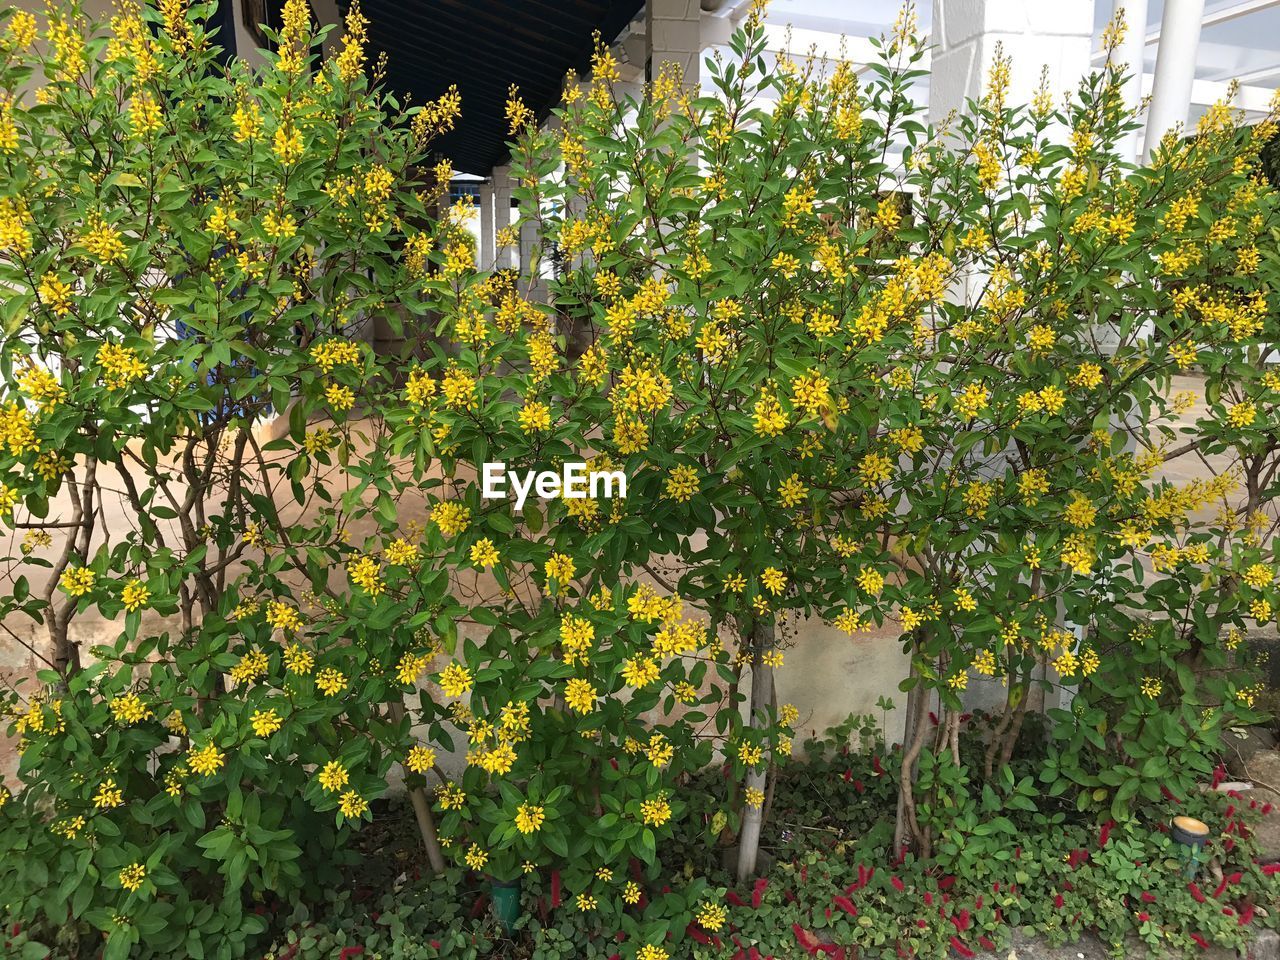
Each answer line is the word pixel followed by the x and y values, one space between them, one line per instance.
pixel 1242 414
pixel 129 709
pixel 535 416
pixel 353 805
pixel 476 858
pixel 769 420
pixel 251 666
pixel 1151 687
pixel 455 680
pixel 631 892
pixel 1259 576
pixel 135 595
pixel 559 568
pixel 298 660
pixel 650 952
pixel 580 695
pixel 131 877
pixel 682 483
pixel 451 517
pixel 38 383
pixel 792 491
pixel 265 722
pixel 774 580
pixel 206 760
pixel 283 616
pixel 484 554
pixel 287 143
pixel 333 776
pixel 410 666
pixel 331 682
pixel 340 398
pixel 420 759
pixel 77 581
pixel 870 580
pixel 529 818
pixel 586 902
pixel 401 553
pixel 712 916
pixel 366 574
pixel 108 795
pixel 639 672
pixel 656 811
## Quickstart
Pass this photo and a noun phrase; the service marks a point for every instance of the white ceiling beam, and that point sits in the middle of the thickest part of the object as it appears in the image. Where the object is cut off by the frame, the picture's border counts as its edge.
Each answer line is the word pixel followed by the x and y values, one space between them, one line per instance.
pixel 1252 76
pixel 1251 99
pixel 827 46
pixel 1223 14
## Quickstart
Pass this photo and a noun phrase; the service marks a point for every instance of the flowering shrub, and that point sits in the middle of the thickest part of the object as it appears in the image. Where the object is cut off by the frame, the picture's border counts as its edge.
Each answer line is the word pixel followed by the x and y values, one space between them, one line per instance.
pixel 934 393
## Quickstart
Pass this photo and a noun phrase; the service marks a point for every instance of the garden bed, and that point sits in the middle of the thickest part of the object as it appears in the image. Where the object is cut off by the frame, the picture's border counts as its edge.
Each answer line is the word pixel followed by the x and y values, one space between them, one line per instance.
pixel 1055 885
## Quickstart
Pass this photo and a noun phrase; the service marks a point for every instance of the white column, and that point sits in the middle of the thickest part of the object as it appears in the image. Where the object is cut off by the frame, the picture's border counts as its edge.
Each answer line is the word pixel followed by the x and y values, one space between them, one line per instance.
pixel 502 213
pixel 487 226
pixel 1175 69
pixel 1132 53
pixel 1057 34
pixel 674 29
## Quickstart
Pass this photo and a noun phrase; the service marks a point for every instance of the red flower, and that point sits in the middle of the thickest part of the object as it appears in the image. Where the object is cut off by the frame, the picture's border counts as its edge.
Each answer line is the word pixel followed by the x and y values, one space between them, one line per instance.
pixel 1196 892
pixel 555 888
pixel 806 939
pixel 898 884
pixel 1105 834
pixel 347 952
pixel 1058 901
pixel 1143 917
pixel 733 898
pixel 1148 898
pixel 960 948
pixel 1203 943
pixel 757 892
pixel 845 904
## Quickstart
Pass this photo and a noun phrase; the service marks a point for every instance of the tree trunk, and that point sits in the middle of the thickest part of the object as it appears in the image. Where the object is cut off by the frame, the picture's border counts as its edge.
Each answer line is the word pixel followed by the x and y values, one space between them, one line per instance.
pixel 906 827
pixel 762 639
pixel 422 810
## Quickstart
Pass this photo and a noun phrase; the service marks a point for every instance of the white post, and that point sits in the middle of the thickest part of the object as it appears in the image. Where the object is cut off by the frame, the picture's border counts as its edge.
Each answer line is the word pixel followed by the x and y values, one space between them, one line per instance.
pixel 487 226
pixel 674 30
pixel 1132 53
pixel 502 213
pixel 1057 35
pixel 1175 69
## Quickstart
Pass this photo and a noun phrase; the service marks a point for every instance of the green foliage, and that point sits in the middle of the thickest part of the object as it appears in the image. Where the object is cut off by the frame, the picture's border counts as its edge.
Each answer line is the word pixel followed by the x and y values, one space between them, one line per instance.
pixel 240 323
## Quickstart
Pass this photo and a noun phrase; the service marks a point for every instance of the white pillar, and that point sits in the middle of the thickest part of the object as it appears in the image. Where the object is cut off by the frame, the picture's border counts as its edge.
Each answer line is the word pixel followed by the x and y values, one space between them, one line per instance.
pixel 1132 53
pixel 1057 34
pixel 502 213
pixel 674 29
pixel 487 226
pixel 1175 69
